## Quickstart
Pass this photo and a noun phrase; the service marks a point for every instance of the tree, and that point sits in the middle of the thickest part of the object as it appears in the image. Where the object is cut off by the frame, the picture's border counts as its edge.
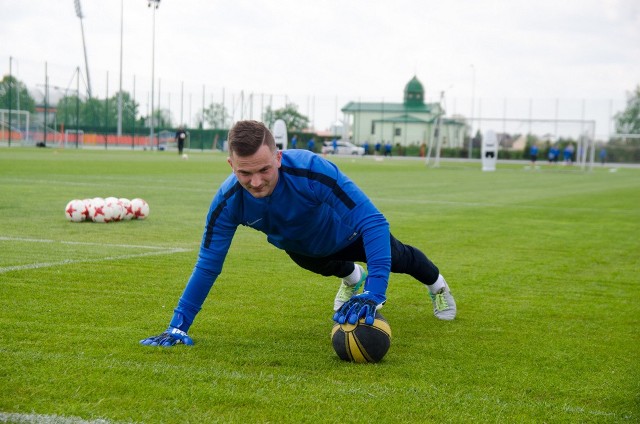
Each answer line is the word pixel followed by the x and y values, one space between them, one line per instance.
pixel 69 111
pixel 294 120
pixel 96 112
pixel 216 116
pixel 129 110
pixel 10 87
pixel 628 121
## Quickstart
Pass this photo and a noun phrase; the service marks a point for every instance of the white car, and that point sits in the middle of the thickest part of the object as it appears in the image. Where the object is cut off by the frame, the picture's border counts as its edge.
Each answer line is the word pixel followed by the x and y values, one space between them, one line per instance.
pixel 343 148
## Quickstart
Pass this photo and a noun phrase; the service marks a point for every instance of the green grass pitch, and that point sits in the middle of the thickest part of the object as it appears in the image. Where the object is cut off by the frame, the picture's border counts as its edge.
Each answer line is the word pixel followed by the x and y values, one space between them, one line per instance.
pixel 544 266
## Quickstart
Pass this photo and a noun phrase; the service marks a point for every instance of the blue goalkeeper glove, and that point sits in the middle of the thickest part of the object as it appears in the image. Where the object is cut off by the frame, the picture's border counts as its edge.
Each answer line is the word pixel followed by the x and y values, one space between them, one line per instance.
pixel 172 336
pixel 363 305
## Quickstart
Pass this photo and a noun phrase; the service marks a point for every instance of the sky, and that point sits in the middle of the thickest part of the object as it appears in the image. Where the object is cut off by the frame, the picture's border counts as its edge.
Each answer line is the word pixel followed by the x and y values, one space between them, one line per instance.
pixel 543 58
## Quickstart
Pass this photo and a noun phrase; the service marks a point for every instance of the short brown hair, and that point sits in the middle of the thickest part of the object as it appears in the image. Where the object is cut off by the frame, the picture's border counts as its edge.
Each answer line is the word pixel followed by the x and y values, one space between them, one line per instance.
pixel 246 137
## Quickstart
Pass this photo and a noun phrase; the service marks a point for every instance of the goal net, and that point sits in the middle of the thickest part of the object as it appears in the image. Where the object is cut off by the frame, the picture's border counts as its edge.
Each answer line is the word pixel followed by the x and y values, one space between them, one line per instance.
pixel 559 141
pixel 14 125
pixel 73 139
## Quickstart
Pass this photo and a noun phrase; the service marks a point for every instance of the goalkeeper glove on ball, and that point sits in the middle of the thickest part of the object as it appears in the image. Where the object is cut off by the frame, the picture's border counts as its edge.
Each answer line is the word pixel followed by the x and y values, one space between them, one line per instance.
pixel 363 305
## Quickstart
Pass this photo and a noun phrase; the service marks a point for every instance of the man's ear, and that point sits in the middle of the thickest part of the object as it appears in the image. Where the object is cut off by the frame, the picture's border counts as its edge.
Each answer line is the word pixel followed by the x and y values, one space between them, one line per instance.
pixel 229 162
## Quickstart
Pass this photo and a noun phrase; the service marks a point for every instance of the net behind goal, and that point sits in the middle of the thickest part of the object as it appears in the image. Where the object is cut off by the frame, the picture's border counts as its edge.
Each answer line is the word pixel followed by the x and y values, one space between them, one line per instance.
pixel 14 125
pixel 561 141
pixel 73 139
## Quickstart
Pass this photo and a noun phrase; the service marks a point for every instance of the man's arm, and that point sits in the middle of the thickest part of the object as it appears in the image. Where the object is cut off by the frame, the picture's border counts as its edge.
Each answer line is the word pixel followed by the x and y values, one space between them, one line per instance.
pixel 219 231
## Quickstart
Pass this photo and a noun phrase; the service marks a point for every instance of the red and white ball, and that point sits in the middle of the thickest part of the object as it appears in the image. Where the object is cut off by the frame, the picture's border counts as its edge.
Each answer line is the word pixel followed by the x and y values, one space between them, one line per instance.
pixel 114 207
pixel 127 209
pixel 75 211
pixel 97 210
pixel 140 208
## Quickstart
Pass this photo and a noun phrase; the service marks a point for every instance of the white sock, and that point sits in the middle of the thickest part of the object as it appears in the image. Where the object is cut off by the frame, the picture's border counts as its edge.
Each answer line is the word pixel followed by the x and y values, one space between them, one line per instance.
pixel 438 285
pixel 353 278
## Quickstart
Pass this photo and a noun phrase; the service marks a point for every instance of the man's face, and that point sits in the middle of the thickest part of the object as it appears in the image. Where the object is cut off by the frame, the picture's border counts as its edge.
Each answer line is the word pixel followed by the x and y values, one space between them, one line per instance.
pixel 257 173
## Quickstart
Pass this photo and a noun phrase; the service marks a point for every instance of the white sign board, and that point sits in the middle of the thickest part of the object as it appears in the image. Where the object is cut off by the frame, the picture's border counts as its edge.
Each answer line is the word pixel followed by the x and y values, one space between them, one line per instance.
pixel 280 134
pixel 489 151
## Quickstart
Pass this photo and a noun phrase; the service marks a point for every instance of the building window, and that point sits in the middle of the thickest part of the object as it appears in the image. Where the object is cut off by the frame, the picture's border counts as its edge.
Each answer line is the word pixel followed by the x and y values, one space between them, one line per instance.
pixel 373 128
pixel 398 131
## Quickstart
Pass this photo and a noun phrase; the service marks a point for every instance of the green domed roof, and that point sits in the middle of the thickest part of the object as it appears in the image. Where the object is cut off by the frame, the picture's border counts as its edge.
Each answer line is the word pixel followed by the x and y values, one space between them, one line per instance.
pixel 414 93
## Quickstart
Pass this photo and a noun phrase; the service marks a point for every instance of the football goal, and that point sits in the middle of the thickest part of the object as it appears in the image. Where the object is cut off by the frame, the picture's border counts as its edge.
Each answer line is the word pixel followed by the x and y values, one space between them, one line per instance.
pixel 14 125
pixel 73 139
pixel 562 141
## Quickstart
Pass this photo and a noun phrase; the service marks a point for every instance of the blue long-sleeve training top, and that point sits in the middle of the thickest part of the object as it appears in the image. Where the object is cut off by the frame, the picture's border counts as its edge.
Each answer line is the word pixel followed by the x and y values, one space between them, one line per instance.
pixel 315 210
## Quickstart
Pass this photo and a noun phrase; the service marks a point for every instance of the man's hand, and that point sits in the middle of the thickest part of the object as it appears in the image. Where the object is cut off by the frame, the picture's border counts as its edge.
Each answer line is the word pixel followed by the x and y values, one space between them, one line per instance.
pixel 170 337
pixel 363 305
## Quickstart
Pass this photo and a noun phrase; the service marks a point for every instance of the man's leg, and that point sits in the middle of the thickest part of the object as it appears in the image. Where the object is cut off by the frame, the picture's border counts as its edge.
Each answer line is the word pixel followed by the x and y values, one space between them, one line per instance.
pixel 353 275
pixel 405 259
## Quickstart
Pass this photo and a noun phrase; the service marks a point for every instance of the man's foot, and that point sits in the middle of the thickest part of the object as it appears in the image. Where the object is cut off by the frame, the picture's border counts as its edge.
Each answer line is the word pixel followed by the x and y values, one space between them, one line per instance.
pixel 444 306
pixel 345 292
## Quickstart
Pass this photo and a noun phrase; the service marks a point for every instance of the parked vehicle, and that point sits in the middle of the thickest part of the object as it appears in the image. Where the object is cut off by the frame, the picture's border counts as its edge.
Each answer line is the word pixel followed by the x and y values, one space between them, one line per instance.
pixel 342 148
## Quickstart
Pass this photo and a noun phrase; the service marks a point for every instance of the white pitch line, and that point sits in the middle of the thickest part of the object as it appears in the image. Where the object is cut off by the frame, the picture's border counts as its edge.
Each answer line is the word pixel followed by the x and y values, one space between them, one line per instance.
pixel 132 246
pixel 158 251
pixel 46 419
pixel 77 261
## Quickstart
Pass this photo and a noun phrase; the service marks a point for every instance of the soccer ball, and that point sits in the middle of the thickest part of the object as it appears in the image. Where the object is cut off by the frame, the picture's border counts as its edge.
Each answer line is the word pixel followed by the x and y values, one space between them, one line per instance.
pixel 361 342
pixel 76 211
pixel 97 210
pixel 115 208
pixel 127 209
pixel 185 156
pixel 87 204
pixel 140 208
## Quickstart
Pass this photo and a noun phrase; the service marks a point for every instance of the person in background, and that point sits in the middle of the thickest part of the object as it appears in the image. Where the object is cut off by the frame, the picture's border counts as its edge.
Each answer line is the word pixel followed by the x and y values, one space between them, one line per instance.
pixel 603 155
pixel 181 137
pixel 387 148
pixel 533 154
pixel 568 154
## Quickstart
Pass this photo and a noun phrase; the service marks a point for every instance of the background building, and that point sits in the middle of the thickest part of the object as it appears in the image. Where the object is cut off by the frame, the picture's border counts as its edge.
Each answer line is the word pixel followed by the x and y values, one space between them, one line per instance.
pixel 412 122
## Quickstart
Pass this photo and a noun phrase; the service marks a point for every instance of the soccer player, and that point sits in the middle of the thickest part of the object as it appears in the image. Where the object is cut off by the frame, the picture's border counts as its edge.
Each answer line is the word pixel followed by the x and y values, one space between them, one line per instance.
pixel 318 216
pixel 181 136
pixel 533 155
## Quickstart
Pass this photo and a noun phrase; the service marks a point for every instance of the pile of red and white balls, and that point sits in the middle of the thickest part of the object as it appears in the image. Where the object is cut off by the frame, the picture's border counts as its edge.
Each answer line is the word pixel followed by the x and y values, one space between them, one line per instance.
pixel 108 209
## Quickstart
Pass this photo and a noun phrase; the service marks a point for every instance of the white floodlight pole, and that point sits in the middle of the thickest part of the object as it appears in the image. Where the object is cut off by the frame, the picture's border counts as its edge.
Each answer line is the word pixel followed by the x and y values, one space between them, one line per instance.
pixel 473 103
pixel 438 129
pixel 154 4
pixel 84 44
pixel 120 91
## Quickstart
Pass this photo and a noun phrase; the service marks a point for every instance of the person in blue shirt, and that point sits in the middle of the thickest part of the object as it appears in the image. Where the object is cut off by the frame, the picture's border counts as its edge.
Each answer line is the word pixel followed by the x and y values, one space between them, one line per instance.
pixel 603 155
pixel 294 142
pixel 568 154
pixel 554 152
pixel 387 148
pixel 311 144
pixel 533 154
pixel 335 146
pixel 307 207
